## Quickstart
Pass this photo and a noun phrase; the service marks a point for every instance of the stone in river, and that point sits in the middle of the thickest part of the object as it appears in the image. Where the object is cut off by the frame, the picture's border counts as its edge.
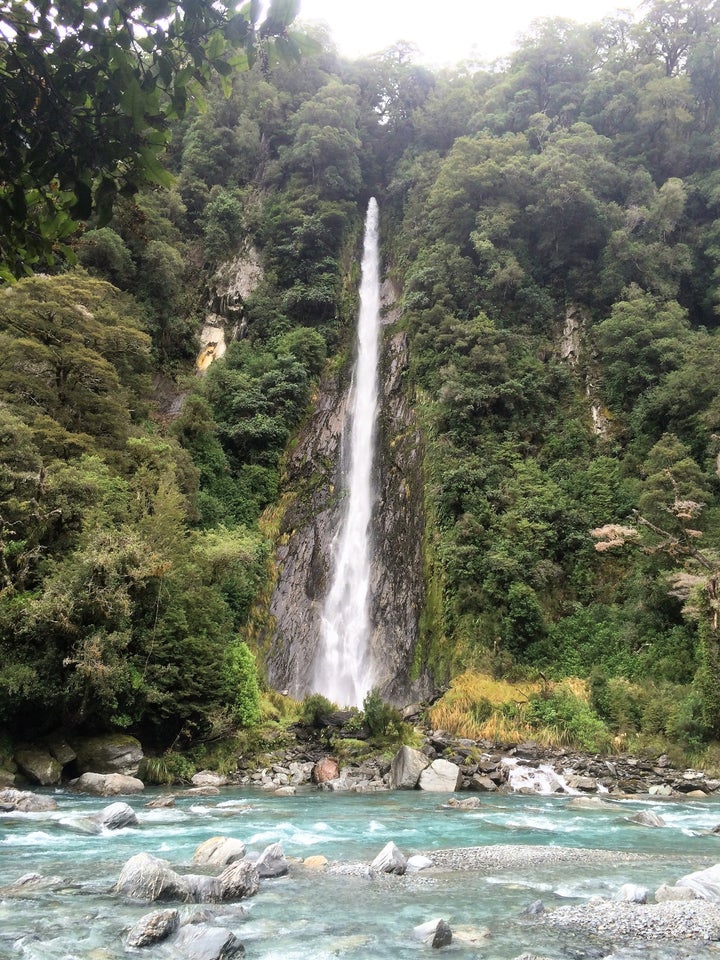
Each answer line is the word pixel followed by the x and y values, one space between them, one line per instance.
pixel 647 819
pixel 440 776
pixel 116 816
pixel 153 928
pixel 443 935
pixel 200 942
pixel 435 932
pixel 208 778
pixel 634 893
pixel 705 884
pixel 219 851
pixel 316 862
pixel 389 860
pixel 23 801
pixel 418 862
pixel 107 784
pixel 272 862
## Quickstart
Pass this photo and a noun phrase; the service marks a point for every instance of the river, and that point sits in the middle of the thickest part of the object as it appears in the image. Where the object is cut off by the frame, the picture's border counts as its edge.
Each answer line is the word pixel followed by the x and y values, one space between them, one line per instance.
pixel 312 914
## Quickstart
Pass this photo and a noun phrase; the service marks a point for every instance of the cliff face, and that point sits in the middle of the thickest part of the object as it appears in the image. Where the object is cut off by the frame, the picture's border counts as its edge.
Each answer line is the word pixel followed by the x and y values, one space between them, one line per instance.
pixel 310 522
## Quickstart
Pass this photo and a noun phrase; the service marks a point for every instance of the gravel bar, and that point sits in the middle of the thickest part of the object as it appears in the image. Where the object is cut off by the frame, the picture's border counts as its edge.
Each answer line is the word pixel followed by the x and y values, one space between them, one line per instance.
pixel 670 920
pixel 508 856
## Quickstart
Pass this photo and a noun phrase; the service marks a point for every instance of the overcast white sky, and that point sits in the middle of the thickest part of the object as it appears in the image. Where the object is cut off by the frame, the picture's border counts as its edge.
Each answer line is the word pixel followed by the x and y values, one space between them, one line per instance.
pixel 445 31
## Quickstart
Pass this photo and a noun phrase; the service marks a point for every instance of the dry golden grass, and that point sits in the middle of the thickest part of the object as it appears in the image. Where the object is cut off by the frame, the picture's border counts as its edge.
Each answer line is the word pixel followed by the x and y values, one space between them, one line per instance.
pixel 473 708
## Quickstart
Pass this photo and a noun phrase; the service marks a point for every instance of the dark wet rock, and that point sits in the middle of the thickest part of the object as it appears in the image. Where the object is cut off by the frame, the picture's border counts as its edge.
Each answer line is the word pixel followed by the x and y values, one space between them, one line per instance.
pixel 201 942
pixel 39 766
pixel 114 753
pixel 153 928
pixel 219 852
pixel 443 935
pixel 107 784
pixel 390 860
pixel 59 748
pixel 272 862
pixel 23 801
pixel 482 784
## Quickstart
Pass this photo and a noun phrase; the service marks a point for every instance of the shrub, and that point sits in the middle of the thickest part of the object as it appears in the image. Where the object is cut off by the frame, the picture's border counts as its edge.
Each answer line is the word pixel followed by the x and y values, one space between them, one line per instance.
pixel 314 709
pixel 243 680
pixel 570 718
pixel 380 717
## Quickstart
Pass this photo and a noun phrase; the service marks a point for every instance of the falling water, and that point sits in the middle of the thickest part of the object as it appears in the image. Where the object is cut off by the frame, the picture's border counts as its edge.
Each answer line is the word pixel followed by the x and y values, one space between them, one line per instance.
pixel 343 670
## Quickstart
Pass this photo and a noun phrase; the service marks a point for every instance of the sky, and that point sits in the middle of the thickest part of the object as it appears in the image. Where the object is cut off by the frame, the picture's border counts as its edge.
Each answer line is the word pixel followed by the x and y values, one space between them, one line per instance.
pixel 445 31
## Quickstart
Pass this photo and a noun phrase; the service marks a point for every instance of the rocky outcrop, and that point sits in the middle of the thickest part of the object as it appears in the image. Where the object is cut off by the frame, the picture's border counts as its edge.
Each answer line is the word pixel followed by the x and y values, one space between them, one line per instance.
pixel 39 766
pixel 114 753
pixel 311 520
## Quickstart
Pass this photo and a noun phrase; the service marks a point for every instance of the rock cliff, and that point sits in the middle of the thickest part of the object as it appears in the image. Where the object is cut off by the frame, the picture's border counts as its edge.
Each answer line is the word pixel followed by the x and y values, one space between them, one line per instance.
pixel 310 522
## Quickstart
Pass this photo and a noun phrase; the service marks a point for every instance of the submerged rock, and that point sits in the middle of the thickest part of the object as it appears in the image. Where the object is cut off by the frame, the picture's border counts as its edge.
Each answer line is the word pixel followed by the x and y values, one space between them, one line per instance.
pixel 647 818
pixel 153 928
pixel 202 942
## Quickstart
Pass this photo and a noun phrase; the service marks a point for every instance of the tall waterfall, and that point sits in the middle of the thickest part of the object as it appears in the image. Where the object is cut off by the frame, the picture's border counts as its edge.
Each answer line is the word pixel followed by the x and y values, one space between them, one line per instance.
pixel 343 666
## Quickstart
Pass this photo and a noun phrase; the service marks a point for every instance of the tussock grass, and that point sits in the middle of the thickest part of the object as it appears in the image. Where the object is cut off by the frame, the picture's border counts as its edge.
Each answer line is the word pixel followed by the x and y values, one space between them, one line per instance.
pixel 481 708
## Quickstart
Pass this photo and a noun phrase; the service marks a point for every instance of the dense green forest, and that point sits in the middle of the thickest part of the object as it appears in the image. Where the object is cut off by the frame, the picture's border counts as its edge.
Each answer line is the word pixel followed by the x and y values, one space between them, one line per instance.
pixel 553 223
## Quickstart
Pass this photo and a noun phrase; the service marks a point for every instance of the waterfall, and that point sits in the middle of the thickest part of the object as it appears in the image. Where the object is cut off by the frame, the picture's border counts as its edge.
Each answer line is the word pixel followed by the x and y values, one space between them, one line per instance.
pixel 343 668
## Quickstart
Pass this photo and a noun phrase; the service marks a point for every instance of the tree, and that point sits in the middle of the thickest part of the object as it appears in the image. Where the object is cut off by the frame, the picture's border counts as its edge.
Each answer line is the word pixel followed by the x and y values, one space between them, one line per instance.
pixel 87 95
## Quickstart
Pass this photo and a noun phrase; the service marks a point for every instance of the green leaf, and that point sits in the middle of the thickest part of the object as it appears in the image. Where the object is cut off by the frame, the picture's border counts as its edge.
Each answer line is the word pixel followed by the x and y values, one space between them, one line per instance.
pixel 153 170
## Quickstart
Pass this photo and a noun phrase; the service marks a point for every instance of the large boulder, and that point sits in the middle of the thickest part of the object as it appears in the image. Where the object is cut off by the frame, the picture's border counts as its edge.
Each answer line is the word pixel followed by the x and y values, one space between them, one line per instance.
pixel 325 770
pixel 219 852
pixel 437 933
pixel 153 928
pixel 208 778
pixel 148 878
pixel 240 879
pixel 22 801
pixel 115 753
pixel 389 860
pixel 705 884
pixel 406 767
pixel 202 942
pixel 39 766
pixel 441 776
pixel 107 784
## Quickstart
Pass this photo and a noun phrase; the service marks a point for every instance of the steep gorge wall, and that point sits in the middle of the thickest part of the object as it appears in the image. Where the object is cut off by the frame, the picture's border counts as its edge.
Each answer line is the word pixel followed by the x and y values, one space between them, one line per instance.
pixel 310 522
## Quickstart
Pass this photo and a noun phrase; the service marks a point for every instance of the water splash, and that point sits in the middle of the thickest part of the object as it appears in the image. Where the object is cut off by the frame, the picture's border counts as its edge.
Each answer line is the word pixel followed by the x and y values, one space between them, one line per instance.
pixel 343 668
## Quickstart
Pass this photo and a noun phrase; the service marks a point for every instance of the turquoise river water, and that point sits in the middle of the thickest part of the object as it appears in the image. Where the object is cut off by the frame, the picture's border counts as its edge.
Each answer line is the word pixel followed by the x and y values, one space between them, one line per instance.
pixel 312 915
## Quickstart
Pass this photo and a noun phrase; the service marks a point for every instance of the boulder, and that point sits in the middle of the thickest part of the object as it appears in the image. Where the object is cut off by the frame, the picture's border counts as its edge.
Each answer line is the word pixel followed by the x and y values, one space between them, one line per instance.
pixel 60 749
pixel 647 818
pixel 208 778
pixel 239 879
pixel 660 790
pixel 107 784
pixel 467 803
pixel 219 852
pixel 286 791
pixel 482 784
pixel 666 892
pixel 317 862
pixel 435 932
pixel 202 942
pixel 23 801
pixel 116 816
pixel 168 801
pixel 440 776
pixel 705 884
pixel 389 860
pixel 7 778
pixel 406 767
pixel 148 878
pixel 325 770
pixel 633 893
pixel 39 766
pixel 114 753
pixel 153 928
pixel 418 862
pixel 272 862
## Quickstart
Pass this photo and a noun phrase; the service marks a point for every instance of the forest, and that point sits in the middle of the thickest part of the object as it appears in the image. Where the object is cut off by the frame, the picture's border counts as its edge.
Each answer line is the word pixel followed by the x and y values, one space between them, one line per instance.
pixel 553 224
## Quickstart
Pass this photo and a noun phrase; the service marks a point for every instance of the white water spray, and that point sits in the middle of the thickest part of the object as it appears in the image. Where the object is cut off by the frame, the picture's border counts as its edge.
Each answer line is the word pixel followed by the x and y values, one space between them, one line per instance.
pixel 343 667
